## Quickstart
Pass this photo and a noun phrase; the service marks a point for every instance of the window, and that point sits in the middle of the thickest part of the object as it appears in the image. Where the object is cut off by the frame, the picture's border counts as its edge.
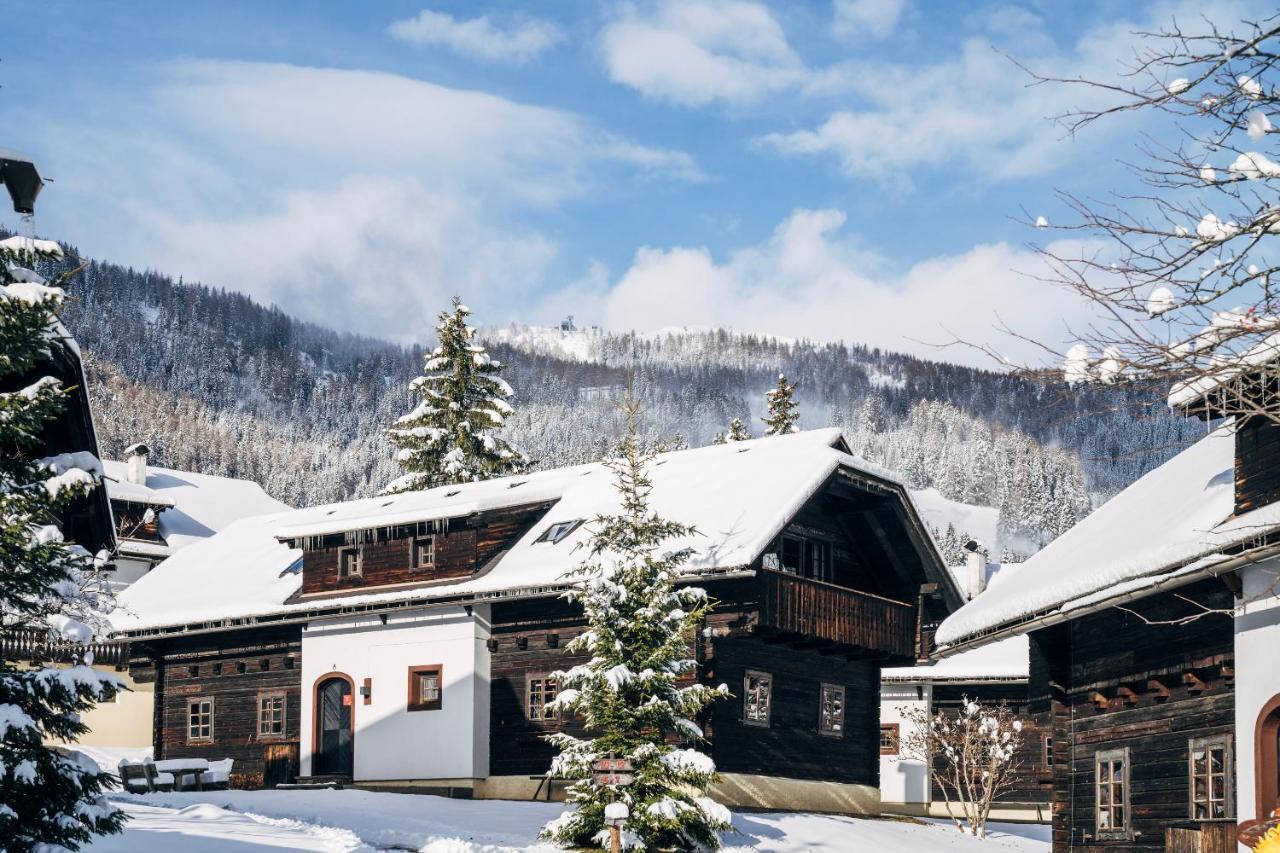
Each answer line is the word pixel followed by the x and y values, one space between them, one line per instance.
pixel 558 531
pixel 349 563
pixel 271 715
pixel 757 690
pixel 199 719
pixel 1112 818
pixel 542 690
pixel 809 558
pixel 889 739
pixel 426 687
pixel 1210 768
pixel 831 715
pixel 424 552
pixel 1048 751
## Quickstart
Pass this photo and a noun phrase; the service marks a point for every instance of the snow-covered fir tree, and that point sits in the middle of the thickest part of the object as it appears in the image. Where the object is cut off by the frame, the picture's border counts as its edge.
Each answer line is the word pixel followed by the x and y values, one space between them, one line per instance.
pixel 640 630
pixel 784 414
pixel 450 437
pixel 48 801
pixel 737 431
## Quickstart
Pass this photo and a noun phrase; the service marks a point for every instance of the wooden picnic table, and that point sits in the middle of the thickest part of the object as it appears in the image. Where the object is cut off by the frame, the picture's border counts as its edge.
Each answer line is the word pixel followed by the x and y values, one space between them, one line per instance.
pixel 184 769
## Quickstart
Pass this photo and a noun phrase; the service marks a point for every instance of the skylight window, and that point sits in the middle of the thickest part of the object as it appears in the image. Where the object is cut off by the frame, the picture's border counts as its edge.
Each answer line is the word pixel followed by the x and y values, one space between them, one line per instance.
pixel 558 531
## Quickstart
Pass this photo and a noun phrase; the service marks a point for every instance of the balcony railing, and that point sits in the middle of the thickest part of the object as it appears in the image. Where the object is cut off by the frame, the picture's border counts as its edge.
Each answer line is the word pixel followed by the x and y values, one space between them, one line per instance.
pixel 828 612
pixel 29 644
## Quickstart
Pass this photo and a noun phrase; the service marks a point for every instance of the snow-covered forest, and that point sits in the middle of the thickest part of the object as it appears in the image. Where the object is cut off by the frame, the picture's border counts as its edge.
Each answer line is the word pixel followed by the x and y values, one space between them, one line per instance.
pixel 215 382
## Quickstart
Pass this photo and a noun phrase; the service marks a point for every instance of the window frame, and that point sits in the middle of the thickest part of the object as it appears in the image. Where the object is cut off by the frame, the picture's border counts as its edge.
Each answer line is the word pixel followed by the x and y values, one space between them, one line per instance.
pixel 1223 742
pixel 550 537
pixel 830 725
pixel 747 718
pixel 896 729
pixel 344 570
pixel 415 702
pixel 200 700
pixel 416 549
pixel 1123 832
pixel 284 715
pixel 815 557
pixel 543 678
pixel 1046 746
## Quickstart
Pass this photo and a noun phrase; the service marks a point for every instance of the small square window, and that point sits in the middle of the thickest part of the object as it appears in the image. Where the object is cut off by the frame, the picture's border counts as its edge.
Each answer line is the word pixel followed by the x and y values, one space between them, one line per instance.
pixel 349 563
pixel 831 714
pixel 1048 751
pixel 426 687
pixel 424 552
pixel 542 691
pixel 757 698
pixel 271 715
pixel 889 740
pixel 199 720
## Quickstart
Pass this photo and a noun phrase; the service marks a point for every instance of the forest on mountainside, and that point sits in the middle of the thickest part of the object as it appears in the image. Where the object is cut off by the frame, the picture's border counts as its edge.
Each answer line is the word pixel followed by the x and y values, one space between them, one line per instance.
pixel 215 382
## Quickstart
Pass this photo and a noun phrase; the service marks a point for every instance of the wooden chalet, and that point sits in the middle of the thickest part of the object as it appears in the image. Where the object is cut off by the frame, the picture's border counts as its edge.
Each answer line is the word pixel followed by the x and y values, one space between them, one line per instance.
pixel 1153 629
pixel 408 642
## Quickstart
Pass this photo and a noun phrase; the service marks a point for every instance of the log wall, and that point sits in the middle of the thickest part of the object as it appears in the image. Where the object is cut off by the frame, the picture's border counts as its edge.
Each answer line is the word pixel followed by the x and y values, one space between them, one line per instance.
pixel 1111 680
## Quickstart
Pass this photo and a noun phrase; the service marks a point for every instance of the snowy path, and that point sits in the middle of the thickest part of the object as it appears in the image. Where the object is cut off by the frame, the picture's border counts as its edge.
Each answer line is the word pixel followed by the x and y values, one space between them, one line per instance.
pixel 262 821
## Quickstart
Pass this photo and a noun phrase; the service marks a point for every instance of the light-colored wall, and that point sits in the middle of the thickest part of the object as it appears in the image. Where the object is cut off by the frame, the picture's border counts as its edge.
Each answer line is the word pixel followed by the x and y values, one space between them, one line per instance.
pixel 391 742
pixel 127 721
pixel 903 780
pixel 1257 681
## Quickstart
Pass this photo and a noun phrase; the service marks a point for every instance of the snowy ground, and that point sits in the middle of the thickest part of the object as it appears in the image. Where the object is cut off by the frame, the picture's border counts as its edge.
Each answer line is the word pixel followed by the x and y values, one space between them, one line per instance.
pixel 261 821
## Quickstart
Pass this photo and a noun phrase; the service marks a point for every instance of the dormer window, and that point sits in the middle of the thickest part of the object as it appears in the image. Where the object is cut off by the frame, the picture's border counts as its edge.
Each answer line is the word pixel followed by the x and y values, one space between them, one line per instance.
pixel 558 531
pixel 424 552
pixel 349 563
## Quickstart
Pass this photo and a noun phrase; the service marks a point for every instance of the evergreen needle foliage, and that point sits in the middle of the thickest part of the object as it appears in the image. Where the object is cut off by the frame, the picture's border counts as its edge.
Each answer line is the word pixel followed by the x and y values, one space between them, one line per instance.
pixel 640 629
pixel 450 437
pixel 737 431
pixel 784 413
pixel 48 801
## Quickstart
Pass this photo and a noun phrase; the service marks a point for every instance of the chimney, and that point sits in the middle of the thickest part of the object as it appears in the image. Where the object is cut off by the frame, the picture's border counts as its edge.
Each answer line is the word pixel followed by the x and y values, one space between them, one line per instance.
pixel 975 561
pixel 135 457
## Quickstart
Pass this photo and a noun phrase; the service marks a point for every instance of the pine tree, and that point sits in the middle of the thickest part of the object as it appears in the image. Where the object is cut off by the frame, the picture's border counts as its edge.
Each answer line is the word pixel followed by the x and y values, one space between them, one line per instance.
pixel 47 800
pixel 737 431
pixel 448 438
pixel 640 628
pixel 783 411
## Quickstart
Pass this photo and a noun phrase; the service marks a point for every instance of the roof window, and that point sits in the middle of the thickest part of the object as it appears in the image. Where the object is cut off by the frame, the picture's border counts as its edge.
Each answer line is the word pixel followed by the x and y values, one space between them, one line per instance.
pixel 559 531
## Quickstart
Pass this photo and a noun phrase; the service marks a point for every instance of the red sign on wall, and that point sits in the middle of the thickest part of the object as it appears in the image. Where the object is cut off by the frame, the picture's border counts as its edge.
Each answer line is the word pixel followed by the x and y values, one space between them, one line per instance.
pixel 346 700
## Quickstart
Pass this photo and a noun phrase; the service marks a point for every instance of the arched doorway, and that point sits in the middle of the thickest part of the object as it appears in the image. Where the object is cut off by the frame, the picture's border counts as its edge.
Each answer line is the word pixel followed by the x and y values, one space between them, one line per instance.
pixel 332 746
pixel 1266 757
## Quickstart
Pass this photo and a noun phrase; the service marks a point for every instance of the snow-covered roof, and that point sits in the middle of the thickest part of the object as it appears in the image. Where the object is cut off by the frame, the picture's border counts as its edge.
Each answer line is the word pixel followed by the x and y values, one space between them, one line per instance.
pixel 1189 392
pixel 739 497
pixel 197 505
pixel 1174 522
pixel 240 571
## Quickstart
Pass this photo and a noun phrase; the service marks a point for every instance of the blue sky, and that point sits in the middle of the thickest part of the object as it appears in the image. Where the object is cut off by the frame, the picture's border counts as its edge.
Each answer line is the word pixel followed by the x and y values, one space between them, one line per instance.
pixel 836 170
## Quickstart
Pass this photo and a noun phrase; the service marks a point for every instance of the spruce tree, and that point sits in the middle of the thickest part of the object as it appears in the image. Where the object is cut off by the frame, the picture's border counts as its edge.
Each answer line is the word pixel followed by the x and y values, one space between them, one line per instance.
pixel 783 411
pixel 48 801
pixel 449 438
pixel 737 431
pixel 640 629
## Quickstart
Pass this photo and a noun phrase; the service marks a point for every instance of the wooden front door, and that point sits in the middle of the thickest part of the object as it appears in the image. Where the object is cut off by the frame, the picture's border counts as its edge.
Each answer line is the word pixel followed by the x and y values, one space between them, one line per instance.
pixel 333 746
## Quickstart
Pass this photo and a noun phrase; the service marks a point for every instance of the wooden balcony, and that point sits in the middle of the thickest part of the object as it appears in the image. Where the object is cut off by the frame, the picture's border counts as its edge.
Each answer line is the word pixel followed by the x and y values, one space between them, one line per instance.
pixel 34 645
pixel 826 612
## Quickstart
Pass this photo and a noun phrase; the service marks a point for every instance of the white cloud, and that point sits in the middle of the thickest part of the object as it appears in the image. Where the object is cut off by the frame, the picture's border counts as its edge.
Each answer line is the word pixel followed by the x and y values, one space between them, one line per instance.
pixel 861 18
pixel 517 41
pixel 808 281
pixel 694 52
pixel 359 199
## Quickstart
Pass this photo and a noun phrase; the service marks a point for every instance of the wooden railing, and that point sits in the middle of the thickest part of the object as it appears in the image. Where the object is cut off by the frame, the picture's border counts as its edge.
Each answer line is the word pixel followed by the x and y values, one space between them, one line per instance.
pixel 31 644
pixel 828 612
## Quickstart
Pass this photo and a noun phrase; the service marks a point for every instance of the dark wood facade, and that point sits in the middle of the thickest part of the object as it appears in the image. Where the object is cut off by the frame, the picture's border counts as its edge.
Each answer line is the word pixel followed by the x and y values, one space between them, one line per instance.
pixel 1257 464
pixel 1114 684
pixel 235 670
pixel 460 547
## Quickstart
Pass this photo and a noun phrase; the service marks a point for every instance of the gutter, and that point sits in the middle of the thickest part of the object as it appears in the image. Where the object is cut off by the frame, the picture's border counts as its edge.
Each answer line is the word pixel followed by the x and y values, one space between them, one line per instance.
pixel 1225 567
pixel 301 616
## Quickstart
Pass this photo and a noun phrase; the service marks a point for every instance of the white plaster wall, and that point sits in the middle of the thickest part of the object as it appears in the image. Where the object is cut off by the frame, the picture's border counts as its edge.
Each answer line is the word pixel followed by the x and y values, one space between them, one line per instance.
pixel 391 742
pixel 1257 629
pixel 903 780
